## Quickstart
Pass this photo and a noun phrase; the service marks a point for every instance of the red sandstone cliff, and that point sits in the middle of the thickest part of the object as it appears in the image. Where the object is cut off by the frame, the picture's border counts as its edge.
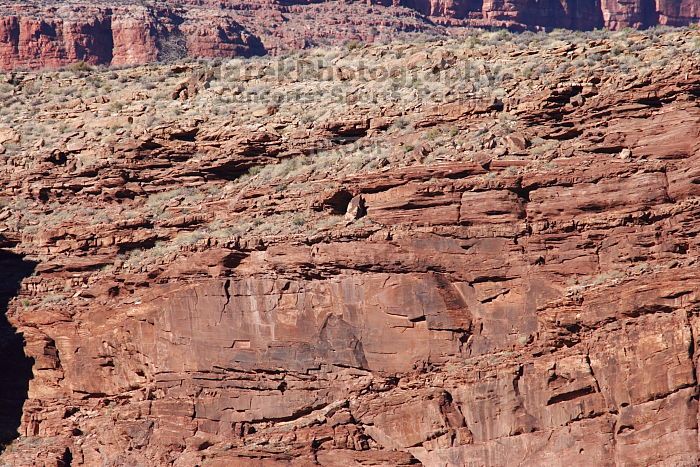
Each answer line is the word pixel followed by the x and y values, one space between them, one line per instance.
pixel 502 275
pixel 525 14
pixel 35 35
pixel 119 35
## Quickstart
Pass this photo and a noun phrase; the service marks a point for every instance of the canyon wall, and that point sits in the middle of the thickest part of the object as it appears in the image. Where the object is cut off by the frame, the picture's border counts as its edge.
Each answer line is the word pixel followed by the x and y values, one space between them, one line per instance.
pixel 585 15
pixel 527 296
pixel 118 35
pixel 36 35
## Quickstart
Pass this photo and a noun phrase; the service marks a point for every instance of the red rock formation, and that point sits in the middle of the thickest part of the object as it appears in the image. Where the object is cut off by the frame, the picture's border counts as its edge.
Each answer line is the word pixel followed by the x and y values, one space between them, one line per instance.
pixel 584 15
pixel 117 36
pixel 34 35
pixel 530 303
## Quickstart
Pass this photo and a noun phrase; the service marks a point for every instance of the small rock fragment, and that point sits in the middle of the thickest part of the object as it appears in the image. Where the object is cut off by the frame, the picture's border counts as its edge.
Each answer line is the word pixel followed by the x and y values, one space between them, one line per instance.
pixel 356 208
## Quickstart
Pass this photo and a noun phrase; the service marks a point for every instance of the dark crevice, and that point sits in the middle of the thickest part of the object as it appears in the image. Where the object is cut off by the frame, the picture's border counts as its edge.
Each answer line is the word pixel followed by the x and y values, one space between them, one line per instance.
pixel 129 246
pixel 568 396
pixel 607 149
pixel 338 202
pixel 185 135
pixel 66 459
pixel 523 192
pixel 481 279
pixel 150 145
pixel 691 353
pixel 15 366
pixel 233 170
pixel 232 260
pixel 650 102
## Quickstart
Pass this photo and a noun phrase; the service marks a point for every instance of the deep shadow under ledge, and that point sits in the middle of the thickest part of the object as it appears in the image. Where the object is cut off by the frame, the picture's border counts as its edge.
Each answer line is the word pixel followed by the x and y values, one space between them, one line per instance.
pixel 15 366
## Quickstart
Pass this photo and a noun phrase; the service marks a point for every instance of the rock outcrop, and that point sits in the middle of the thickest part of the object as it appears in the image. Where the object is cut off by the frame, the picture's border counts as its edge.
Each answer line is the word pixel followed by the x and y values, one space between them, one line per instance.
pixel 499 269
pixel 42 35
pixel 584 15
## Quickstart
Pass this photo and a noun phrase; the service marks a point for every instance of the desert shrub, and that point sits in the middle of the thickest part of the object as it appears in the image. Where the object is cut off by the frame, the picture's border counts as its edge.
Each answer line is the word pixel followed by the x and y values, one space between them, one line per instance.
pixel 80 66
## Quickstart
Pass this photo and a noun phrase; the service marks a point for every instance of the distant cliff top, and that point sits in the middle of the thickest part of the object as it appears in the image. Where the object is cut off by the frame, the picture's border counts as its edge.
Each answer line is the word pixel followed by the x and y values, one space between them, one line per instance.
pixel 51 35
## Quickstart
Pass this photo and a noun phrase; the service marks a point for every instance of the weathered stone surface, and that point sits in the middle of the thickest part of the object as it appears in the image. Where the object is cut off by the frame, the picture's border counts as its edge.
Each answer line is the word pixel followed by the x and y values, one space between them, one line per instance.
pixel 494 285
pixel 38 35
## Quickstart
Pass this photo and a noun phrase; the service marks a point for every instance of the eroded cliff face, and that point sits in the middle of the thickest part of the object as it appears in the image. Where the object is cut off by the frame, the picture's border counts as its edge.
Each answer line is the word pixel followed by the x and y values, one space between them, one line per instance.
pixel 42 36
pixel 586 15
pixel 36 35
pixel 499 269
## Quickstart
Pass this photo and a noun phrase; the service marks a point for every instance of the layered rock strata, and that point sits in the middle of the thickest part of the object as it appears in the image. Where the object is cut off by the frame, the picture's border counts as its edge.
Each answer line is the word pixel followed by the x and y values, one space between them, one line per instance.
pixel 41 35
pixel 501 274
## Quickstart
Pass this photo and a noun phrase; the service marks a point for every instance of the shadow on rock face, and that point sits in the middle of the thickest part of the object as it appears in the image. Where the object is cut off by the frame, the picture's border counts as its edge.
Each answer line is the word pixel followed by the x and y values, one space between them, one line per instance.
pixel 15 366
